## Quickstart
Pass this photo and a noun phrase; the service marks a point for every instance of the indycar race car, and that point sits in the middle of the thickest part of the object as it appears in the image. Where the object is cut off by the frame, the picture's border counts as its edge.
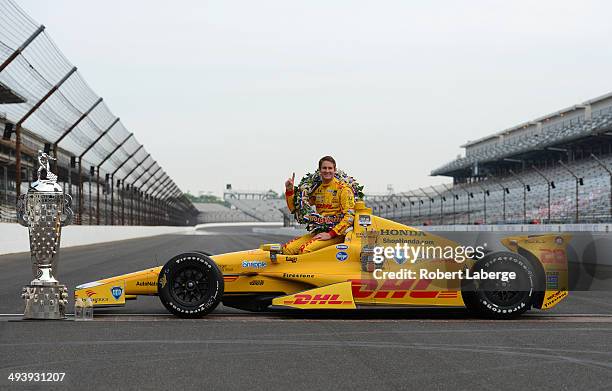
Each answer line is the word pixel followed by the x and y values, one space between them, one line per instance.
pixel 380 263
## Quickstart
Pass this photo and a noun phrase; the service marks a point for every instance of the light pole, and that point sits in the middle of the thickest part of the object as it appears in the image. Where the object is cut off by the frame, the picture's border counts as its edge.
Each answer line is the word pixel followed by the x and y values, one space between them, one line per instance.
pixel 111 188
pixel 505 191
pixel 442 198
pixel 550 184
pixel 603 165
pixel 455 197
pixel 402 197
pixel 113 183
pixel 431 200
pixel 469 195
pixel 526 188
pixel 579 181
pixel 485 193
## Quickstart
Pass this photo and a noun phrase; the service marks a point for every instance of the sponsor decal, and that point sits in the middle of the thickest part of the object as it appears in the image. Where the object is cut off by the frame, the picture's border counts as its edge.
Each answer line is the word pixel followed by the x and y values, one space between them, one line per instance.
pixel 391 289
pixel 365 220
pixel 304 298
pixel 552 281
pixel 90 293
pixel 162 281
pixel 342 256
pixel 554 298
pixel 256 282
pixel 401 232
pixel 324 219
pixel 556 256
pixel 291 259
pixel 116 291
pixel 297 275
pixel 341 247
pixel 254 264
pixel 145 283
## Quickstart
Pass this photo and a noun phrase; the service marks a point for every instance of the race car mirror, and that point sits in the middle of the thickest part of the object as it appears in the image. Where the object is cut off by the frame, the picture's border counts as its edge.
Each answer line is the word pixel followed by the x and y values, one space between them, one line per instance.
pixel 365 220
pixel 273 248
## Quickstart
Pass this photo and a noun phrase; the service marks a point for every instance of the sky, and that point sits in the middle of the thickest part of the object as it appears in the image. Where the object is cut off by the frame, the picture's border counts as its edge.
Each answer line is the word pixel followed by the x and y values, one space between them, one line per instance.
pixel 248 92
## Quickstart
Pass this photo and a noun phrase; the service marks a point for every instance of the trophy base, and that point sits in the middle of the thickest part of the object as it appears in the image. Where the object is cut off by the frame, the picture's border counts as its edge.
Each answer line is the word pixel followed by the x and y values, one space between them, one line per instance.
pixel 45 302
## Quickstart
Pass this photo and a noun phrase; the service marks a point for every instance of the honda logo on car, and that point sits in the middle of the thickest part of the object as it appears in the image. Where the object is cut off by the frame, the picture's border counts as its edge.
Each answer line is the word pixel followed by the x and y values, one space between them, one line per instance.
pixel 403 232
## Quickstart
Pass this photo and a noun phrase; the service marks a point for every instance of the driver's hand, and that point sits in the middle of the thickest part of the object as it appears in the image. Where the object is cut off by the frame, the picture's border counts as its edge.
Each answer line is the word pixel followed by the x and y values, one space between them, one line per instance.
pixel 289 183
pixel 322 236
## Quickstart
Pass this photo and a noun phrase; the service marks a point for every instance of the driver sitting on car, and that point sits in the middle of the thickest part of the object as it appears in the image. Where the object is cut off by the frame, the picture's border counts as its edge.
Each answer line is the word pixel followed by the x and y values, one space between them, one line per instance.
pixel 333 198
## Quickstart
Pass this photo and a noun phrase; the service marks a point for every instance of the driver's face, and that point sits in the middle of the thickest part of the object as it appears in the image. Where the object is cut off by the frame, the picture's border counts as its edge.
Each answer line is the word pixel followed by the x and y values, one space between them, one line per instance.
pixel 327 171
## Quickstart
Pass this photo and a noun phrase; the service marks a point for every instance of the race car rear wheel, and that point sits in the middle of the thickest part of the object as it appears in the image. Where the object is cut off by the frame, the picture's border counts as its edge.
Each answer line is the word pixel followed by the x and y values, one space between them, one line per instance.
pixel 495 298
pixel 190 285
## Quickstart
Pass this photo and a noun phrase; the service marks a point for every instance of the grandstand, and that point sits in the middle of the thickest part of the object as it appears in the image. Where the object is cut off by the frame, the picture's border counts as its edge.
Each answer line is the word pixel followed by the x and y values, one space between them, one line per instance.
pixel 554 169
pixel 259 205
pixel 217 213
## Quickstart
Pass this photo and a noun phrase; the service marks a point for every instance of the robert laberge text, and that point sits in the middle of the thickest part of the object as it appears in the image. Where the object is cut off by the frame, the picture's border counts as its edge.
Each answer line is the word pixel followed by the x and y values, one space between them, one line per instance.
pixel 406 274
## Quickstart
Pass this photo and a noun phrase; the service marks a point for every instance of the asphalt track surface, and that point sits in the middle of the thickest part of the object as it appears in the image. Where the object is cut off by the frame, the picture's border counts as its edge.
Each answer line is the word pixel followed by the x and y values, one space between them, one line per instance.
pixel 141 346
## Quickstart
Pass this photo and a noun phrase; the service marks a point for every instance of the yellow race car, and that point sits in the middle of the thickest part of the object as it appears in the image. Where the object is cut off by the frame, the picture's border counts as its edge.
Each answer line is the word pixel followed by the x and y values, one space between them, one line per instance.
pixel 380 263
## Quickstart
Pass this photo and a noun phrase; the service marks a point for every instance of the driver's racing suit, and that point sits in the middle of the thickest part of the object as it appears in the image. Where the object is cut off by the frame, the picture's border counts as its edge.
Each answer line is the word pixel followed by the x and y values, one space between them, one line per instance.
pixel 333 200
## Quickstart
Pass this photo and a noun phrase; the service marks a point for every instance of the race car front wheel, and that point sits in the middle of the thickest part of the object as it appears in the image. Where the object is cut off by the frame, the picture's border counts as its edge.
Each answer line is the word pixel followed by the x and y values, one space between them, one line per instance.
pixel 498 296
pixel 190 285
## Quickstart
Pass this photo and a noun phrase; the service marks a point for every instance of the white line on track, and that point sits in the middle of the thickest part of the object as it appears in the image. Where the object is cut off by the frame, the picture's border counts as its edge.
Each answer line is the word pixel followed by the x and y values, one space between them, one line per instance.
pixel 294 317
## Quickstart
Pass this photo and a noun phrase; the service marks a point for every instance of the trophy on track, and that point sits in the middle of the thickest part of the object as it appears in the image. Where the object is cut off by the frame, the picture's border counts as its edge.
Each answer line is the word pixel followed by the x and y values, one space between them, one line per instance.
pixel 44 209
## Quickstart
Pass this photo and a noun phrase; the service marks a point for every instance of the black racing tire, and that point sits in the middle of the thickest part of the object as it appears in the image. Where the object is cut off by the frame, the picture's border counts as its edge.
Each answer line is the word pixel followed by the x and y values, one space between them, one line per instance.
pixel 497 299
pixel 190 285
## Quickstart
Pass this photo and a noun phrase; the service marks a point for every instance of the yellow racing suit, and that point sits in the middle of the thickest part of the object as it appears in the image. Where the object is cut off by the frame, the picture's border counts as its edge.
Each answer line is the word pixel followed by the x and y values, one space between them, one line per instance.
pixel 333 200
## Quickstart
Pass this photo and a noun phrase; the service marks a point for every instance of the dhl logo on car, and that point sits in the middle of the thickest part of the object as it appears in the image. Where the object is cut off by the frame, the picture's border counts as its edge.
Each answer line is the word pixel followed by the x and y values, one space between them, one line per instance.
pixel 336 296
pixel 303 298
pixel 397 289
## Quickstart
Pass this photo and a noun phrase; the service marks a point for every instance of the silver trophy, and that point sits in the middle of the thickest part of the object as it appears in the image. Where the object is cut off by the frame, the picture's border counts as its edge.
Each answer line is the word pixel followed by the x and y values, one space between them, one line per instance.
pixel 44 209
